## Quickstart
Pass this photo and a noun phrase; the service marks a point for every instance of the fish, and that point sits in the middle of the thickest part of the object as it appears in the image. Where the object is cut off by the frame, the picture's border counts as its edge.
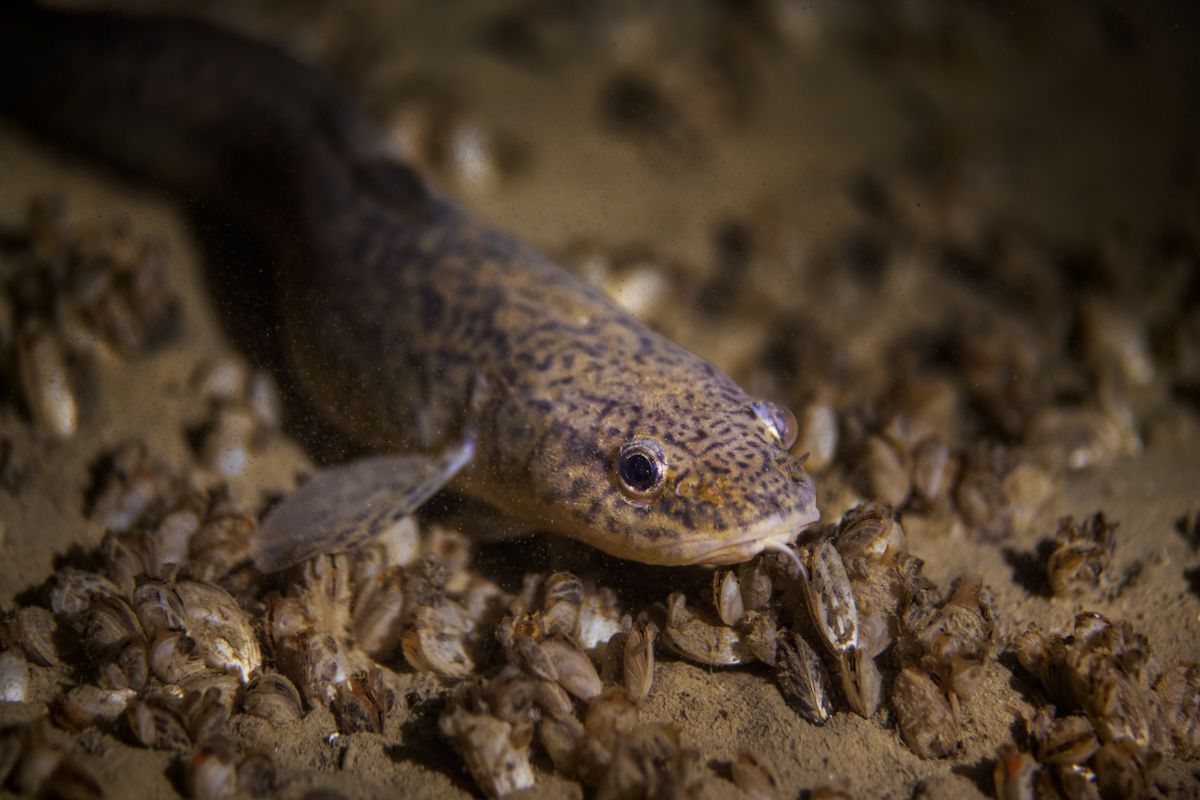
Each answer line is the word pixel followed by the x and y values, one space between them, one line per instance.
pixel 458 356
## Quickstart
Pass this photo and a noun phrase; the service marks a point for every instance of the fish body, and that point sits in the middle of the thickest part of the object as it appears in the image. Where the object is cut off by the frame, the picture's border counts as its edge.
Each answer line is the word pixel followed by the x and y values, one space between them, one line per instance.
pixel 422 333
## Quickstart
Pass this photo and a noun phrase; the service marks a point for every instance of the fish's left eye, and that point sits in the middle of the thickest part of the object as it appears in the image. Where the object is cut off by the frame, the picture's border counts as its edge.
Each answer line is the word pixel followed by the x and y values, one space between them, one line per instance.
pixel 640 468
pixel 780 421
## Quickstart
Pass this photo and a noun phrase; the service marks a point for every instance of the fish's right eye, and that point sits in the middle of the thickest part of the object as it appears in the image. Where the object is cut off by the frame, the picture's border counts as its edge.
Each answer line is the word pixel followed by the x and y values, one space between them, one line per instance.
pixel 640 469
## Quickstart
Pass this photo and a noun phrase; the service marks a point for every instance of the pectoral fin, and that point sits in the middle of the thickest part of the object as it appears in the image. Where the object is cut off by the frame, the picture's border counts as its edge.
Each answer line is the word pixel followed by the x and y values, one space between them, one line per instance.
pixel 344 506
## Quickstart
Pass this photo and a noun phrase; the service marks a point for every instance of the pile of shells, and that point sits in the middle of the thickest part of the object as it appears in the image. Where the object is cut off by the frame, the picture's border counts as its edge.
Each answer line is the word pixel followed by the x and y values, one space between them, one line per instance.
pixel 574 673
pixel 855 604
pixel 918 451
pixel 911 452
pixel 151 636
pixel 1111 714
pixel 345 615
pixel 71 296
pixel 139 644
pixel 492 725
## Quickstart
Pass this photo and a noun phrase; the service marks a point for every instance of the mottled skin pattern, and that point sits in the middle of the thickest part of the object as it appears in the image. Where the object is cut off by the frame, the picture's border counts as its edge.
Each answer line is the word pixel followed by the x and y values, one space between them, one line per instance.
pixel 407 321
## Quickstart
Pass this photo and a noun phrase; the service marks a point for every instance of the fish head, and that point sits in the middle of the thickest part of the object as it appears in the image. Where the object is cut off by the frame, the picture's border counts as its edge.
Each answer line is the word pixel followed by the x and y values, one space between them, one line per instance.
pixel 673 464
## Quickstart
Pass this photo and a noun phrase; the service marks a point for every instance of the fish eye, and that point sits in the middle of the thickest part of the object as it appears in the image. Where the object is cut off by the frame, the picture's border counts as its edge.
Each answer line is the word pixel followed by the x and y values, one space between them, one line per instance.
pixel 780 421
pixel 640 468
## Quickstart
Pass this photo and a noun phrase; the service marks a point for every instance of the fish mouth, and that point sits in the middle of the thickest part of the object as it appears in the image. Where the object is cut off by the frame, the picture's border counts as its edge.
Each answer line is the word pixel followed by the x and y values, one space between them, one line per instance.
pixel 772 533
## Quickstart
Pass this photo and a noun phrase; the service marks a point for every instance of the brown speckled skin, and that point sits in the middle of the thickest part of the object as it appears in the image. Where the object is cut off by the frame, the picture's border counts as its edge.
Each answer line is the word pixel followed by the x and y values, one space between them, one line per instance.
pixel 406 320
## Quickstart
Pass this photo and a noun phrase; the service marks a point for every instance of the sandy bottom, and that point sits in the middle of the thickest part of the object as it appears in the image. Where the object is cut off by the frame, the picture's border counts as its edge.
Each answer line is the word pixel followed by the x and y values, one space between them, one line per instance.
pixel 828 206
